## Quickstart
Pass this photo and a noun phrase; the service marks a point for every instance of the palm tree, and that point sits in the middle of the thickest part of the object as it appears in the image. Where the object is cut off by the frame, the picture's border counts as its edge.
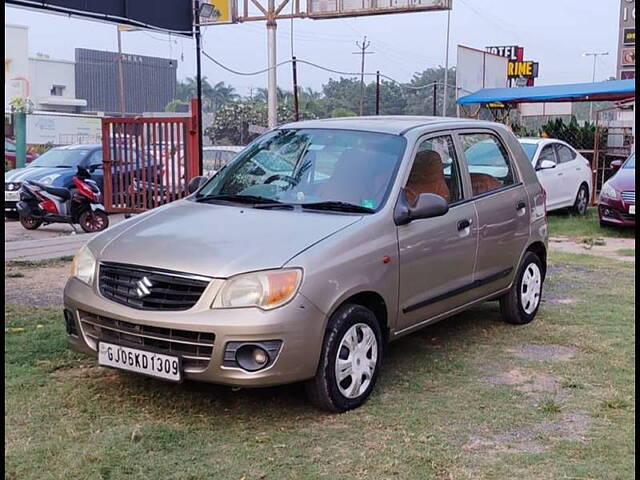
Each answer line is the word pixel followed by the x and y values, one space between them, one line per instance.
pixel 222 93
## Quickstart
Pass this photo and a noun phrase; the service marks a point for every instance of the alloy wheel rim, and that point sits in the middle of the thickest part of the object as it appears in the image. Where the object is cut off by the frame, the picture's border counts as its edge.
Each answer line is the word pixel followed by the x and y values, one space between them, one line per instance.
pixel 94 222
pixel 582 200
pixel 356 361
pixel 530 288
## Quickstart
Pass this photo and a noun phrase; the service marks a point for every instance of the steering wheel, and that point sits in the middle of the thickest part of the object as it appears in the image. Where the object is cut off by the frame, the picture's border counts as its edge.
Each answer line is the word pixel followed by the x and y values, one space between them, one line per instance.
pixel 286 178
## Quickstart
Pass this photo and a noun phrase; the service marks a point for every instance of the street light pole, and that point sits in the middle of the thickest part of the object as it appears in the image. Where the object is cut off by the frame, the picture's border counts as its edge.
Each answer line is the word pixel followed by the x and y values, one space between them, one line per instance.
pixel 446 67
pixel 196 20
pixel 595 56
pixel 272 79
pixel 120 74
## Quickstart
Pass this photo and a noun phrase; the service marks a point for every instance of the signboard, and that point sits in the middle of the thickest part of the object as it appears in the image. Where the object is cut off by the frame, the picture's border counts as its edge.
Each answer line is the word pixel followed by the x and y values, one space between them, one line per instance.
pixel 174 16
pixel 318 9
pixel 63 129
pixel 477 69
pixel 545 109
pixel 223 12
pixel 521 71
pixel 626 40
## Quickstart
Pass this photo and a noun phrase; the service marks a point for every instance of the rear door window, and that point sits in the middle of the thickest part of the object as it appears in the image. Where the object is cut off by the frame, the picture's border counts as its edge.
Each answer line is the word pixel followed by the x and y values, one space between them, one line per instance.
pixel 565 154
pixel 490 167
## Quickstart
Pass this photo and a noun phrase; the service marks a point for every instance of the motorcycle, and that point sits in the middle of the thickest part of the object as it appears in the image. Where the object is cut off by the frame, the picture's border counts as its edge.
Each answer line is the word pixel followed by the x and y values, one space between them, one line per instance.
pixel 43 204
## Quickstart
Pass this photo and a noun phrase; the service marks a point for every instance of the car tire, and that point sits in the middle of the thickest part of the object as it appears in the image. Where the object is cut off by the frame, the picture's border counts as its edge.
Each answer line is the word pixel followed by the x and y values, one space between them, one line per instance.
pixel 30 223
pixel 353 343
pixel 581 203
pixel 520 304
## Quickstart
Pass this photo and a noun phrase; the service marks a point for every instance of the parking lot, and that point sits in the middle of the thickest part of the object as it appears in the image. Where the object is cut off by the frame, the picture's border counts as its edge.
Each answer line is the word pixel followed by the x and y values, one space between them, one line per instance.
pixel 471 397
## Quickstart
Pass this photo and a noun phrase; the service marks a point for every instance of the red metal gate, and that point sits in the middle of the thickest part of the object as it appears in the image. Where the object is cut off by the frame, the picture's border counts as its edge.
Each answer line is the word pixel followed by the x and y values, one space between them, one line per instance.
pixel 148 161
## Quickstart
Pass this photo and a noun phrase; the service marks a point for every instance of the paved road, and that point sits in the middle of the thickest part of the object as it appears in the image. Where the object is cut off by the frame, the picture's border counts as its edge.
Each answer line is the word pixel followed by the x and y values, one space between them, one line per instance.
pixel 50 241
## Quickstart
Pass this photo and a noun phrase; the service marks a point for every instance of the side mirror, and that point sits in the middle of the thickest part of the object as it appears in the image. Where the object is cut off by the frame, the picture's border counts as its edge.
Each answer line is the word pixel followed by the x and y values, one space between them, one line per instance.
pixel 546 165
pixel 194 183
pixel 428 205
pixel 616 164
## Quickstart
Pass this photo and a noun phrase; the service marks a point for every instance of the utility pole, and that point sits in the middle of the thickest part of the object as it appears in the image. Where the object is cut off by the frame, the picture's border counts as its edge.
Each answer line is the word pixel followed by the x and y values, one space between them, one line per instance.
pixel 595 56
pixel 120 74
pixel 378 92
pixel 272 83
pixel 196 20
pixel 295 89
pixel 446 67
pixel 363 47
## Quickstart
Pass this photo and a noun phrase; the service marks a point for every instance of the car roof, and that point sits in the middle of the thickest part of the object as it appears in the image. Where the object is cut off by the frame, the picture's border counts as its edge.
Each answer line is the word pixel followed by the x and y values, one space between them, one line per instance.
pixel 80 146
pixel 391 124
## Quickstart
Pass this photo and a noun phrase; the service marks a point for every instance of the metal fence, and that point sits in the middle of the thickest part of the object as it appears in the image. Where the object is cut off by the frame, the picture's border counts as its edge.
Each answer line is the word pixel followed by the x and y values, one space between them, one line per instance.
pixel 147 162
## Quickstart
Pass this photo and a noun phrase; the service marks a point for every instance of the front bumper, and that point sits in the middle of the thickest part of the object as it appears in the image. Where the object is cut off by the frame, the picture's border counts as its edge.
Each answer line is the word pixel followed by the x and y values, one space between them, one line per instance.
pixel 616 212
pixel 299 325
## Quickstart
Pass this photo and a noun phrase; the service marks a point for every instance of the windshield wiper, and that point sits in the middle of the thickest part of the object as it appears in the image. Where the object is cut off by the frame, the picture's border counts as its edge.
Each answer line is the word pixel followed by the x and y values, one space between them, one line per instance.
pixel 337 206
pixel 249 199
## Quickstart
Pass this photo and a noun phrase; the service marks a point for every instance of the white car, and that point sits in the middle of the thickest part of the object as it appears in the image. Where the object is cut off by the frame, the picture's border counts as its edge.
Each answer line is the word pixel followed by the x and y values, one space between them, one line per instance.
pixel 564 173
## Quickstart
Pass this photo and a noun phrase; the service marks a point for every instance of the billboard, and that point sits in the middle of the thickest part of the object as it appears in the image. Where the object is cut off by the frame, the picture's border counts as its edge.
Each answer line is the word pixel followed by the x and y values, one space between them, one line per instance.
pixel 167 15
pixel 222 11
pixel 318 9
pixel 478 69
pixel 63 129
pixel 521 71
pixel 626 40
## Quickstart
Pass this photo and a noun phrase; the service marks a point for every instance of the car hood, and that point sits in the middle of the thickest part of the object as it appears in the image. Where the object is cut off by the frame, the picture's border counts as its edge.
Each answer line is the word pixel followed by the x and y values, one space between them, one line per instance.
pixel 215 240
pixel 34 173
pixel 624 180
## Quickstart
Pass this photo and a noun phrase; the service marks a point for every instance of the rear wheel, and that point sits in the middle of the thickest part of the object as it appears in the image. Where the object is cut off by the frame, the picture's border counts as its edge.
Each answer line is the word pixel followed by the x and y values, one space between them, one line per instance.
pixel 29 222
pixel 350 360
pixel 520 305
pixel 582 200
pixel 93 221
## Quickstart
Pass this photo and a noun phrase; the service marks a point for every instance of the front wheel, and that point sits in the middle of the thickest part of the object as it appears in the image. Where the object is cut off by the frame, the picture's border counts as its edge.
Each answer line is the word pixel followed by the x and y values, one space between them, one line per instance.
pixel 349 362
pixel 29 222
pixel 582 200
pixel 93 221
pixel 520 304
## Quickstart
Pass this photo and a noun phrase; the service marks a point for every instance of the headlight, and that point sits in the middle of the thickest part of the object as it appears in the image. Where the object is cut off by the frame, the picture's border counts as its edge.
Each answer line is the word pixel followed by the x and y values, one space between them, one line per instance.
pixel 83 266
pixel 49 179
pixel 608 191
pixel 267 290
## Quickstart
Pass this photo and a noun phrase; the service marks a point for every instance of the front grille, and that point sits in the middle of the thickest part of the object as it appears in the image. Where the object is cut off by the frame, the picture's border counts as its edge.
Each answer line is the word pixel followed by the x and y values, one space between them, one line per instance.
pixel 127 284
pixel 629 197
pixel 195 348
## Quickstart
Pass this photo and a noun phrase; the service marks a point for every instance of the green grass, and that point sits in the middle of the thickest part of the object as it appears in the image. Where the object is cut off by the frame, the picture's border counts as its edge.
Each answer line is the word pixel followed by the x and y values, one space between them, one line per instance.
pixel 50 262
pixel 626 252
pixel 434 415
pixel 564 223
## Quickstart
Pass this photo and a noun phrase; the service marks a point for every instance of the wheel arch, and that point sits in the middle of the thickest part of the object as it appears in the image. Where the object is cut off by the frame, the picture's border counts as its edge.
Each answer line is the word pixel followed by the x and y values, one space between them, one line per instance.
pixel 374 302
pixel 540 250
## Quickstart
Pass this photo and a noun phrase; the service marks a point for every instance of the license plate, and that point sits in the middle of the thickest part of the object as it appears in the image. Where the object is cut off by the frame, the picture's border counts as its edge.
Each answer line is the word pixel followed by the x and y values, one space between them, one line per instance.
pixel 154 364
pixel 632 209
pixel 11 196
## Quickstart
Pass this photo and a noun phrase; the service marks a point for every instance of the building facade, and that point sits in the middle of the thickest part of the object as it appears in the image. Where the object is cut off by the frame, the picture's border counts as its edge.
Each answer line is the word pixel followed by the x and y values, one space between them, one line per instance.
pixel 149 82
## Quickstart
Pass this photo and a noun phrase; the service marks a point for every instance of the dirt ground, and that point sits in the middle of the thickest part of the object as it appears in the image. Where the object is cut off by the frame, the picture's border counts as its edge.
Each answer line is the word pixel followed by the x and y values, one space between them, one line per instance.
pixel 609 249
pixel 36 286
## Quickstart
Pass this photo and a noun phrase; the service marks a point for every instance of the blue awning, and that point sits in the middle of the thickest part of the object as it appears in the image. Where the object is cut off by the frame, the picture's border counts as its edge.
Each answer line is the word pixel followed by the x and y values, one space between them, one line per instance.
pixel 577 92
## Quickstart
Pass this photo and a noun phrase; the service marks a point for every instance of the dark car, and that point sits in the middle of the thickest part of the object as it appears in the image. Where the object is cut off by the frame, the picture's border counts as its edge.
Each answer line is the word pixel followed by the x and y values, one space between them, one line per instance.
pixel 57 167
pixel 617 205
pixel 10 154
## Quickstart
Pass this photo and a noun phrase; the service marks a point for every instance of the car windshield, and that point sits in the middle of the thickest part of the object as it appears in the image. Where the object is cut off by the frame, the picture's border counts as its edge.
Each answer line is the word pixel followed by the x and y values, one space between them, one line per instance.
pixel 631 162
pixel 530 149
pixel 312 166
pixel 60 158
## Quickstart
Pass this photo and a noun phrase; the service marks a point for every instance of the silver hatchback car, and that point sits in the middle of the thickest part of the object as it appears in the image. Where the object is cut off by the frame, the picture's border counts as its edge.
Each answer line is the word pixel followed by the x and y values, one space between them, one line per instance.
pixel 377 227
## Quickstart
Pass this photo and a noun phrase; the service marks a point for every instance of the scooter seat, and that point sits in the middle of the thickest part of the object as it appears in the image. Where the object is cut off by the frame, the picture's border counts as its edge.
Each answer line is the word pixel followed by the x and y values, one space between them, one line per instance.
pixel 62 193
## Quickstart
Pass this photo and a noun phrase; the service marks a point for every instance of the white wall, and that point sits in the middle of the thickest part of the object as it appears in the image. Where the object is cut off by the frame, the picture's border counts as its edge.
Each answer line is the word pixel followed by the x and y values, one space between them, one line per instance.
pixel 16 62
pixel 47 72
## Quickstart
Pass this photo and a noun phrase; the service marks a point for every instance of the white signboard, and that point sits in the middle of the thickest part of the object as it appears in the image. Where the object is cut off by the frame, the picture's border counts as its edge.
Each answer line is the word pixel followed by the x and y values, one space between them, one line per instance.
pixel 350 8
pixel 545 109
pixel 478 69
pixel 63 129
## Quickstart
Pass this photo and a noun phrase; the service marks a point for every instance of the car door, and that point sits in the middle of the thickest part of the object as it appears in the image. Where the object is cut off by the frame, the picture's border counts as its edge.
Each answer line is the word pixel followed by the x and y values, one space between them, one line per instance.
pixel 568 174
pixel 437 255
pixel 502 205
pixel 549 178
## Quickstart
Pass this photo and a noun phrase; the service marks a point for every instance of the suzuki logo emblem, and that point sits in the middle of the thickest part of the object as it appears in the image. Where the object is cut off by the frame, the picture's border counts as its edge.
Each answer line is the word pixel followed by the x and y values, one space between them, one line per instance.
pixel 143 287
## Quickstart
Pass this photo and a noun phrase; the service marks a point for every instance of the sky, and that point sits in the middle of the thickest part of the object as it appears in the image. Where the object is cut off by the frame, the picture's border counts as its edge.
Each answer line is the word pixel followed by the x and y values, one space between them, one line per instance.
pixel 554 33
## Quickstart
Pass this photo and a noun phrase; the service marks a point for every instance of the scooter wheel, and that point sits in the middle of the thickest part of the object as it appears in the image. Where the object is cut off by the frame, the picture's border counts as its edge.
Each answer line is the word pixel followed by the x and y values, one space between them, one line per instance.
pixel 93 221
pixel 29 222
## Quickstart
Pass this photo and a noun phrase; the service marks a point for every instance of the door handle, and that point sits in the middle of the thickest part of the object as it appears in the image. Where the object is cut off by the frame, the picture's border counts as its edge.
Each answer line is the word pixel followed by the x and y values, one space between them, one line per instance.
pixel 560 174
pixel 521 205
pixel 462 224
